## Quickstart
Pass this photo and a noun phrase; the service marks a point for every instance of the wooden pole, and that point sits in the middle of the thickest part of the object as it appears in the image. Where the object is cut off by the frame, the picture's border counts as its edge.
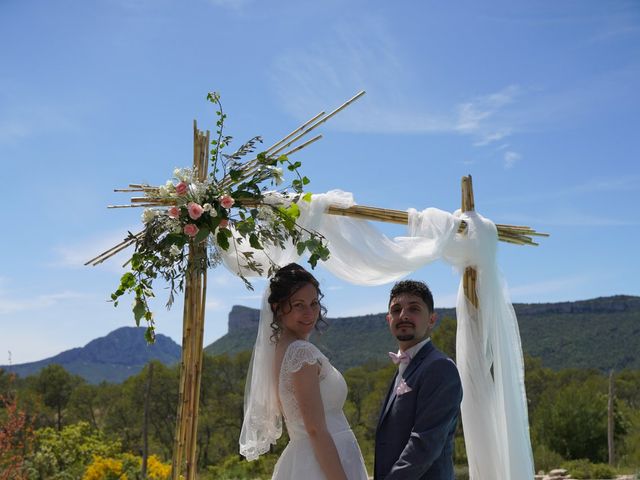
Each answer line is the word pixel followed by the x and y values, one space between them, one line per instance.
pixel 470 275
pixel 184 461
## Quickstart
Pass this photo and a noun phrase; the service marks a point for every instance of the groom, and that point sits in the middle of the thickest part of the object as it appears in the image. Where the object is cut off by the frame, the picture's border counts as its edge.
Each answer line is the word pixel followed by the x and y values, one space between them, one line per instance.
pixel 414 437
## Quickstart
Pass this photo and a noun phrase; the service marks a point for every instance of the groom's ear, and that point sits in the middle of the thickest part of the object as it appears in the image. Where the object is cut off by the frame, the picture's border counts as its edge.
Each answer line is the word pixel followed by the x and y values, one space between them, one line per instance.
pixel 433 319
pixel 388 317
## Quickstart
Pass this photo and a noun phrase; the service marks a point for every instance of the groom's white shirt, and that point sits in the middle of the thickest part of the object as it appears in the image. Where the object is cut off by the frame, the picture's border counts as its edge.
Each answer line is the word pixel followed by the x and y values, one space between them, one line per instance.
pixel 412 352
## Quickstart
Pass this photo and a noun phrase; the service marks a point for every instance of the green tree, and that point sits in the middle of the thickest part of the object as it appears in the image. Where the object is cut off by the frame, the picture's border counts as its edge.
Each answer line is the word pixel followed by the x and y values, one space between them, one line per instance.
pixel 572 421
pixel 221 407
pixel 125 414
pixel 55 385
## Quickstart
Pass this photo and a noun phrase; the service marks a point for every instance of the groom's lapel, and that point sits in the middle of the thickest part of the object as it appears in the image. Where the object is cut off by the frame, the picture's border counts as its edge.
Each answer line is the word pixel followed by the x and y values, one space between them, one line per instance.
pixel 412 367
pixel 391 396
pixel 417 360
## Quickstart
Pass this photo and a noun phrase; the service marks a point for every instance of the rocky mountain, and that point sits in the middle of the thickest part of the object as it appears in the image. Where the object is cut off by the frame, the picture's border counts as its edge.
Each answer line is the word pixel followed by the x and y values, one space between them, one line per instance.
pixel 601 333
pixel 113 358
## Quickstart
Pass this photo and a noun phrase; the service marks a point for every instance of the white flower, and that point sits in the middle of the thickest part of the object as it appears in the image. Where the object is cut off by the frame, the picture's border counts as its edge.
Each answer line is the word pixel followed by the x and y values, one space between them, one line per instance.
pixel 277 174
pixel 265 214
pixel 174 251
pixel 207 207
pixel 149 214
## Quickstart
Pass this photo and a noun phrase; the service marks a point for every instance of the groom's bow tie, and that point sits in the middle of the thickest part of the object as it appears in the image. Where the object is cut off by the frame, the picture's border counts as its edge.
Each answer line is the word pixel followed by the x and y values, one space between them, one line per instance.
pixel 404 358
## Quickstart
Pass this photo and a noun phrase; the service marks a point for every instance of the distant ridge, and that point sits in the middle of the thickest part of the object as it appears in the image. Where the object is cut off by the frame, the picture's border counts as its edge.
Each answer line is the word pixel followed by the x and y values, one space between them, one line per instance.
pixel 112 358
pixel 601 333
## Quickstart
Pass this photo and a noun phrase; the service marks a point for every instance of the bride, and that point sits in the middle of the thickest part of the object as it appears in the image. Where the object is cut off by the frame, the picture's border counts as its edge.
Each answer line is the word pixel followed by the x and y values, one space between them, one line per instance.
pixel 290 377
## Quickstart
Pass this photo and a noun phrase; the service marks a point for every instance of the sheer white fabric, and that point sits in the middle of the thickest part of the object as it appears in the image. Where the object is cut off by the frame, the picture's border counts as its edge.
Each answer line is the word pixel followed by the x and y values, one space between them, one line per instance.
pixel 262 423
pixel 494 411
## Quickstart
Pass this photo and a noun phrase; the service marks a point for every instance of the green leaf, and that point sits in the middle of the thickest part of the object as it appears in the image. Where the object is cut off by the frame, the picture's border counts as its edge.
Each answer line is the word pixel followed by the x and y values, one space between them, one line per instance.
pixel 222 240
pixel 235 174
pixel 254 242
pixel 300 246
pixel 127 281
pixel 202 234
pixel 150 334
pixel 307 197
pixel 294 211
pixel 138 310
pixel 305 181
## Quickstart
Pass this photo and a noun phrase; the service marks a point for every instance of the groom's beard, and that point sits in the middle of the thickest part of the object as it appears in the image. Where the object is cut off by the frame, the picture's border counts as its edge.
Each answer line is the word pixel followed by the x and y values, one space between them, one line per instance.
pixel 405 337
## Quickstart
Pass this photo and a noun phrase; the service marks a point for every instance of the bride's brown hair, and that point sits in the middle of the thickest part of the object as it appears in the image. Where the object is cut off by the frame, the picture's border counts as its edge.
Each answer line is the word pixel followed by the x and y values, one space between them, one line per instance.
pixel 283 285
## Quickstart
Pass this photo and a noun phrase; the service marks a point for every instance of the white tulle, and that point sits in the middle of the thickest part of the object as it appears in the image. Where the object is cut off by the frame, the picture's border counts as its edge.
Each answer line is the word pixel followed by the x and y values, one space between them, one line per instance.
pixel 489 353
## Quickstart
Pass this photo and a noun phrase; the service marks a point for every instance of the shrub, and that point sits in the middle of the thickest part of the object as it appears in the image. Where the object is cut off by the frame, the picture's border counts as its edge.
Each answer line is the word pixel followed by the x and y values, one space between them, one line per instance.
pixel 584 469
pixel 546 459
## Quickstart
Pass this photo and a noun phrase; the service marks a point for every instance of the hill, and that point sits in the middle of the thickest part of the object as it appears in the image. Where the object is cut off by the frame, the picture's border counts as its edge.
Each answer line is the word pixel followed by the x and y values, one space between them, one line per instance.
pixel 113 358
pixel 601 333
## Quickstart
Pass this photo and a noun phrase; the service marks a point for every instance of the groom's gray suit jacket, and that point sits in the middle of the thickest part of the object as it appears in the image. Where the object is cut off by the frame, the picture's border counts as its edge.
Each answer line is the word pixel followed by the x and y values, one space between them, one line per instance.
pixel 414 437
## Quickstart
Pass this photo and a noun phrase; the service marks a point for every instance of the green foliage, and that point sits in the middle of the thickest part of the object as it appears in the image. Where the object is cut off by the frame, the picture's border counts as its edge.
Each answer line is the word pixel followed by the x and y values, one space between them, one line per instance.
pixel 567 408
pixel 55 385
pixel 62 455
pixel 545 459
pixel 235 467
pixel 126 410
pixel 199 216
pixel 583 469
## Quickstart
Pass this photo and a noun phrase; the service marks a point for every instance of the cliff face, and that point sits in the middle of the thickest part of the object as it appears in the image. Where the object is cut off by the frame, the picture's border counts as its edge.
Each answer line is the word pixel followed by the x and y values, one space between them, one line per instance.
pixel 241 318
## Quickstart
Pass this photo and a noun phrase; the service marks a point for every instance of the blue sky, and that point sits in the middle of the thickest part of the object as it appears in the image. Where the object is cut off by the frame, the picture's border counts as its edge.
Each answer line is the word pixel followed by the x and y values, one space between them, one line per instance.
pixel 537 100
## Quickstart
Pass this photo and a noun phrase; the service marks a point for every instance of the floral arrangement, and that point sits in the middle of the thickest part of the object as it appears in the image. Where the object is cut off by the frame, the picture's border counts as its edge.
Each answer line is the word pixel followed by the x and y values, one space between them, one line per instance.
pixel 189 211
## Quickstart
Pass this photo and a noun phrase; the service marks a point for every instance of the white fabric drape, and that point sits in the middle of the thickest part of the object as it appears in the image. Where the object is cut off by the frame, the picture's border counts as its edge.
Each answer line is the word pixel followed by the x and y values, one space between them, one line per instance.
pixel 489 353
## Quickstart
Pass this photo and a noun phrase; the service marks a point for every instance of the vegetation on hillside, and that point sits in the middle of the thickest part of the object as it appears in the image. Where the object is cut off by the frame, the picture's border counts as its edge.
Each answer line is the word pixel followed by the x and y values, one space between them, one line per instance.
pixel 67 428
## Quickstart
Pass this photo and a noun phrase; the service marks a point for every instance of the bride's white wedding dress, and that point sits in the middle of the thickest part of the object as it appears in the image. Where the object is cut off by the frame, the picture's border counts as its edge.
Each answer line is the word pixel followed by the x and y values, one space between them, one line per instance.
pixel 298 460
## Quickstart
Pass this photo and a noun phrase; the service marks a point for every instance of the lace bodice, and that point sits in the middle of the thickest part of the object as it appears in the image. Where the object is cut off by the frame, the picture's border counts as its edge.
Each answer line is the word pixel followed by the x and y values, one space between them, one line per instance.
pixel 333 388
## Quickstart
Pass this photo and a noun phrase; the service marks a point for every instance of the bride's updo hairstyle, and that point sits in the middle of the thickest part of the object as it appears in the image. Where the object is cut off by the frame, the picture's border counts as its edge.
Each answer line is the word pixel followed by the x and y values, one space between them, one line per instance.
pixel 284 284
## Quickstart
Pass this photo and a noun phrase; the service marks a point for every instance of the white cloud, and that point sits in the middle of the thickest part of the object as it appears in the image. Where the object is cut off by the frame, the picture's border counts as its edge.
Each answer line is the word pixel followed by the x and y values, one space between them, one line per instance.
pixel 367 58
pixel 510 158
pixel 10 305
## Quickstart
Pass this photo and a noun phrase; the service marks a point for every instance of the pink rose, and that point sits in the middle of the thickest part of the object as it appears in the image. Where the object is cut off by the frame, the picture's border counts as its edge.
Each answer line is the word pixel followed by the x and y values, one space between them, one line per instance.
pixel 174 212
pixel 182 188
pixel 194 210
pixel 227 201
pixel 224 223
pixel 190 229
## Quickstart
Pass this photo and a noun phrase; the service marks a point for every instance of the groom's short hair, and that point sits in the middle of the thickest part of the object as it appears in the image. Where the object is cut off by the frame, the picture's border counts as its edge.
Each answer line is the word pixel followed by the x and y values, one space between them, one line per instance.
pixel 413 287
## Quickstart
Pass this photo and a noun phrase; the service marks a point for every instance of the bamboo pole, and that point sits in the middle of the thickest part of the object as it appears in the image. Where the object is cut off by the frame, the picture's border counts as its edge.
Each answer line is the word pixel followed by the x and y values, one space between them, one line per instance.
pixel 184 461
pixel 469 281
pixel 514 234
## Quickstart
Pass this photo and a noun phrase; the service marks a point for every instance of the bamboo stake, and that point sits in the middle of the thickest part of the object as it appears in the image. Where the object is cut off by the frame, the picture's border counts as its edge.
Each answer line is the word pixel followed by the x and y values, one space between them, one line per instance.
pixel 469 281
pixel 300 128
pixel 300 147
pixel 113 250
pixel 320 122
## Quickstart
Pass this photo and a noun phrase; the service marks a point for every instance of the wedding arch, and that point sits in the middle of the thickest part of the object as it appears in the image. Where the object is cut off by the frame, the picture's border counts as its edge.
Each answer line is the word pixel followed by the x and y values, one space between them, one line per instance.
pixel 339 233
